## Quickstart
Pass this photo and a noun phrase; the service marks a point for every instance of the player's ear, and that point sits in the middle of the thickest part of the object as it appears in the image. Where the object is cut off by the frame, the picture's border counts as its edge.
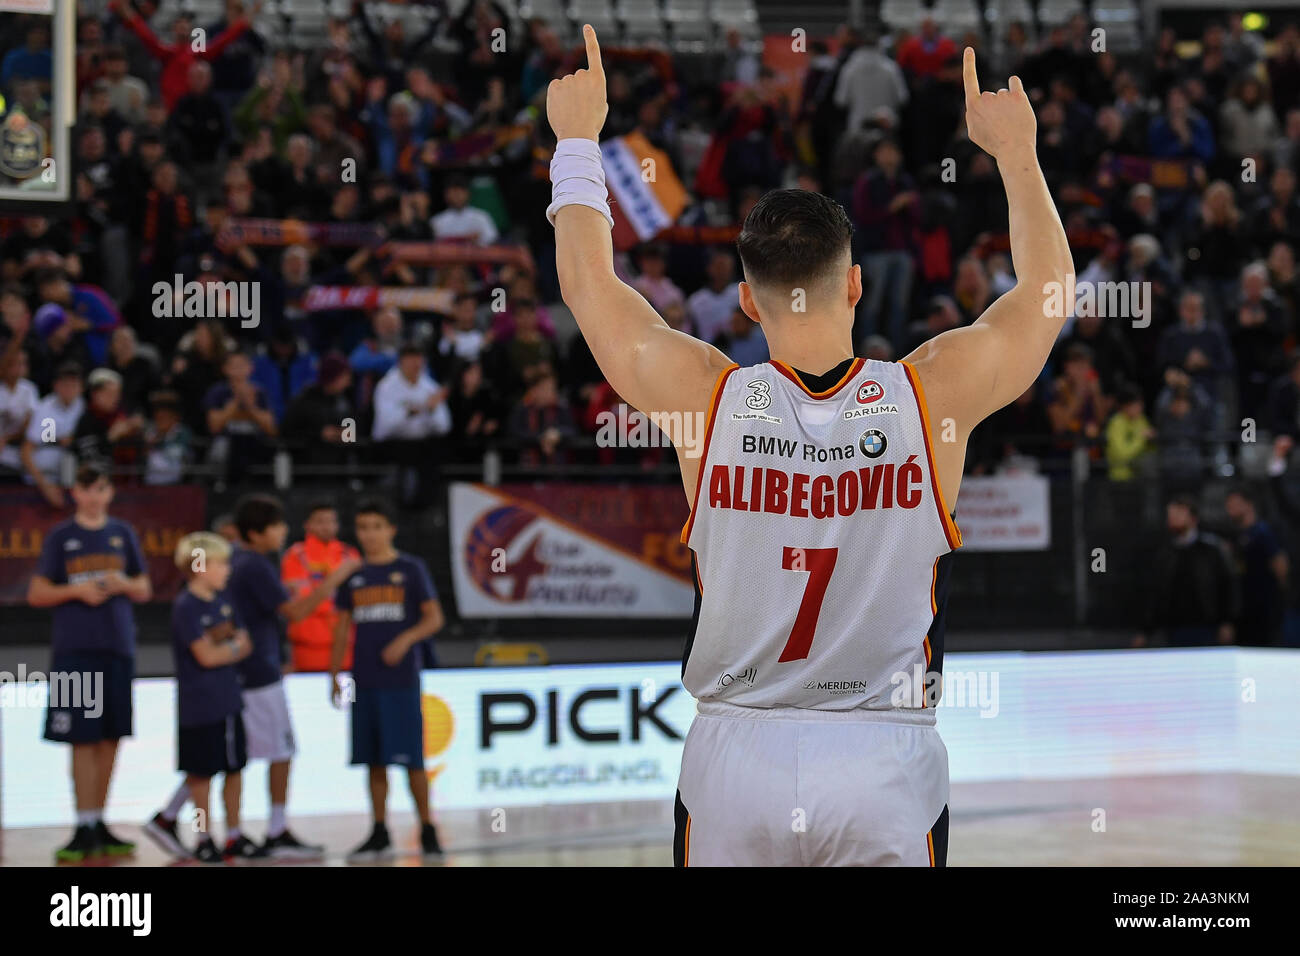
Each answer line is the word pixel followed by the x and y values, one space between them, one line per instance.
pixel 747 303
pixel 855 285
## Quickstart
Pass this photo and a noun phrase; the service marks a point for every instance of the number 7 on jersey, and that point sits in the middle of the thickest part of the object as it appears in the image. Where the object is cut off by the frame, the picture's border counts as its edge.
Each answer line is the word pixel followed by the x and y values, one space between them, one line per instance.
pixel 819 563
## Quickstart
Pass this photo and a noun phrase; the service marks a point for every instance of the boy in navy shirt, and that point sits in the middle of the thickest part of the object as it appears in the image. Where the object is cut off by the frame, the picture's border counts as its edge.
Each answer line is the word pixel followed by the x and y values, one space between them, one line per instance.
pixel 91 568
pixel 262 602
pixel 392 602
pixel 208 641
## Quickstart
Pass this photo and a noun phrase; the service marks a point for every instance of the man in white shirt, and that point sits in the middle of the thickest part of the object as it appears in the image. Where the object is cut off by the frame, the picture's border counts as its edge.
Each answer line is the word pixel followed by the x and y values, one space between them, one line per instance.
pixel 870 82
pixel 129 95
pixel 710 307
pixel 18 399
pixel 410 411
pixel 409 404
pixel 460 220
pixel 50 431
pixel 461 336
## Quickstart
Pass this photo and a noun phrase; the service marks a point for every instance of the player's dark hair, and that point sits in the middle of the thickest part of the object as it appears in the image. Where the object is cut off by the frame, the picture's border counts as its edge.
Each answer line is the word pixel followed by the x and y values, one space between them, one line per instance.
pixel 410 348
pixel 256 513
pixel 1188 502
pixel 376 506
pixel 89 472
pixel 322 503
pixel 793 236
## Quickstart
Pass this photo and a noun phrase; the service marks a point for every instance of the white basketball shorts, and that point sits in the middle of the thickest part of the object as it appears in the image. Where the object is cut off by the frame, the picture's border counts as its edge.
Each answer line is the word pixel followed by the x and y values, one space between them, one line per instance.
pixel 791 786
pixel 266 723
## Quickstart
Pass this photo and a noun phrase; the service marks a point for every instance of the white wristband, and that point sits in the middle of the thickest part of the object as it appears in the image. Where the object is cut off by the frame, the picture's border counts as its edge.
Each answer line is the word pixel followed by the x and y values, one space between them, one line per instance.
pixel 578 178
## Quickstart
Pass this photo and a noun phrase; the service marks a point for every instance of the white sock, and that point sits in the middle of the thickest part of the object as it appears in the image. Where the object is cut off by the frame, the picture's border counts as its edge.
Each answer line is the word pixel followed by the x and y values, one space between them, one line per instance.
pixel 87 818
pixel 173 808
pixel 278 822
pixel 232 834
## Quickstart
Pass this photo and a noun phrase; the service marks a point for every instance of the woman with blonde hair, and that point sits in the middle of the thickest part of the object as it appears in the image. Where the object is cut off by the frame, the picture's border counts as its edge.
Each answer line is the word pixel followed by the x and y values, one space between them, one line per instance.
pixel 1215 250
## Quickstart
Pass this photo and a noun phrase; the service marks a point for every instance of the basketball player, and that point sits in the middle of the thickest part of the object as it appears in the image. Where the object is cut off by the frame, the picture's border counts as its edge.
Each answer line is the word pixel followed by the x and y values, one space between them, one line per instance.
pixel 395 609
pixel 820 497
pixel 91 568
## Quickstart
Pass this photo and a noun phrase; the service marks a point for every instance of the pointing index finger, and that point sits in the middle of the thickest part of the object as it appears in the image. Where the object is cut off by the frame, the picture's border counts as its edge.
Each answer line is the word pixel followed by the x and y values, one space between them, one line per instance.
pixel 593 49
pixel 970 80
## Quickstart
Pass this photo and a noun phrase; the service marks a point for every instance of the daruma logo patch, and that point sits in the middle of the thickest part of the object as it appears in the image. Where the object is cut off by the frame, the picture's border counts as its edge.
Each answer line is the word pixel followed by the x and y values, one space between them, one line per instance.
pixel 869 392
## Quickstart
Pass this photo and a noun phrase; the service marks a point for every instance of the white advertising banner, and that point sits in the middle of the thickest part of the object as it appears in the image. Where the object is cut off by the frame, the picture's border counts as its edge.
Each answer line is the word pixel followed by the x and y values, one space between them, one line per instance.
pixel 26 6
pixel 503 737
pixel 492 737
pixel 514 556
pixel 1005 513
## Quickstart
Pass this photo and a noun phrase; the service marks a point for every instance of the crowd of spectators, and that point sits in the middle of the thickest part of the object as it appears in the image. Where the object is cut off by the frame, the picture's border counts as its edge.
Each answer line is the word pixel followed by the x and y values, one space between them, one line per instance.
pixel 1174 171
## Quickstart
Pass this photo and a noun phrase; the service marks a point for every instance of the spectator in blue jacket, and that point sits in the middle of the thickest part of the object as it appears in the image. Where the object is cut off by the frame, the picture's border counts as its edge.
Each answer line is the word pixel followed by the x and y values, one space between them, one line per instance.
pixel 283 370
pixel 1180 132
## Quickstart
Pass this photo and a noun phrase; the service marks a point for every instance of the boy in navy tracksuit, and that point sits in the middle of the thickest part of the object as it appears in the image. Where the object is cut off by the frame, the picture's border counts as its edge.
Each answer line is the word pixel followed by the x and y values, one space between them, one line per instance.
pixel 208 641
pixel 90 571
pixel 392 602
pixel 262 603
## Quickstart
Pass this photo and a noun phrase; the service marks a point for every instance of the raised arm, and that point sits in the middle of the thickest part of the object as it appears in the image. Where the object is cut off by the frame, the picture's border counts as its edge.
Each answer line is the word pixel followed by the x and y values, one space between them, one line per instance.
pixel 135 23
pixel 655 368
pixel 969 373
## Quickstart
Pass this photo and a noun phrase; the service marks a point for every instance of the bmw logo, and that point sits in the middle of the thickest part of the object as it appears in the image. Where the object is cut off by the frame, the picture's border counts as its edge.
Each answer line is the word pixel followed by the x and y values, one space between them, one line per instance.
pixel 873 443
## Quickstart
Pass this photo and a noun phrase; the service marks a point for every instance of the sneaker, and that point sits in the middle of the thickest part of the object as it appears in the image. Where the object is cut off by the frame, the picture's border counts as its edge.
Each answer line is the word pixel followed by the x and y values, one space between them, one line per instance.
pixel 376 847
pixel 113 845
pixel 207 852
pixel 83 845
pixel 163 832
pixel 429 845
pixel 242 848
pixel 286 846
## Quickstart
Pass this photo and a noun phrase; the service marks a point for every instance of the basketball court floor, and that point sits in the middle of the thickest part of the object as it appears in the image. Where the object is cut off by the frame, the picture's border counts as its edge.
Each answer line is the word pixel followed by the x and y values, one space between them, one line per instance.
pixel 1177 820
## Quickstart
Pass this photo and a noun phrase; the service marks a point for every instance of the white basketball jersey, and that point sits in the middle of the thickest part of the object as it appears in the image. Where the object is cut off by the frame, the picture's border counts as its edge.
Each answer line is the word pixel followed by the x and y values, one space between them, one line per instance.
pixel 817 528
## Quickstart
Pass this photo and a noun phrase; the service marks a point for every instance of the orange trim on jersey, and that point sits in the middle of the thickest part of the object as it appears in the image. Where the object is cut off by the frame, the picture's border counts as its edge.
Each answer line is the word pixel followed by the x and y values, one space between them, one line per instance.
pixel 704 453
pixel 793 376
pixel 934 609
pixel 934 581
pixel 950 529
pixel 686 844
pixel 929 844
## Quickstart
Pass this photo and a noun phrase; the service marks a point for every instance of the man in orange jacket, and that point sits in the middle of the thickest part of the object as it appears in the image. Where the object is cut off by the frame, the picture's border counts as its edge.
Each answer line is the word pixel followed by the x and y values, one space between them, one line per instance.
pixel 303 566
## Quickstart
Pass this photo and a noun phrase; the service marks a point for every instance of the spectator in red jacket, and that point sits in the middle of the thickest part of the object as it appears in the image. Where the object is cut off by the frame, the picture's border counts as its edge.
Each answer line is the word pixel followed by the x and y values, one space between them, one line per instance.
pixel 177 56
pixel 926 53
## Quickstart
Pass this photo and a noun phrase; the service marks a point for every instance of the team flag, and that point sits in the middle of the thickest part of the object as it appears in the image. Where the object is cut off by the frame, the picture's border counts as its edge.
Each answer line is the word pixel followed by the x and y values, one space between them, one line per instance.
pixel 648 196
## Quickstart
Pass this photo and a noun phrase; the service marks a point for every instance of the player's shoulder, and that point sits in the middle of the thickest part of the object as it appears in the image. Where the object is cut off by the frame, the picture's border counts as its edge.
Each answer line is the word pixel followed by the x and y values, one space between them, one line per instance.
pixel 412 561
pixel 119 526
pixel 60 530
pixel 185 602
